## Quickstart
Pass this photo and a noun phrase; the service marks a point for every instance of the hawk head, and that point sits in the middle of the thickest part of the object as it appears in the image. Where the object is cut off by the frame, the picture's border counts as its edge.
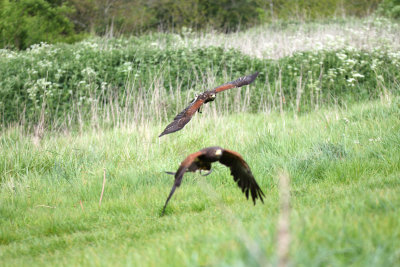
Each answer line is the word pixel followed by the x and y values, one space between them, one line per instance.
pixel 209 96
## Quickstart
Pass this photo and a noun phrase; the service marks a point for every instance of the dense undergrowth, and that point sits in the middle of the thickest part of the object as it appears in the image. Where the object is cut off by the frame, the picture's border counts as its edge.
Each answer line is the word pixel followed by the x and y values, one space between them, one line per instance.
pixel 26 22
pixel 63 84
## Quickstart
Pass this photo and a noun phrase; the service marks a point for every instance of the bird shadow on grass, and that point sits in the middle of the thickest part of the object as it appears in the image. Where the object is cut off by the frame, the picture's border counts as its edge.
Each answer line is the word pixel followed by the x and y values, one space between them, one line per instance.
pixel 185 208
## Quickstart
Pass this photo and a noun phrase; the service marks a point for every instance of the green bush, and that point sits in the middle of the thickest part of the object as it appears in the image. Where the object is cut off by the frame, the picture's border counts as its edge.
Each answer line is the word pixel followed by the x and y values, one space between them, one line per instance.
pixel 66 76
pixel 390 8
pixel 27 22
pixel 136 17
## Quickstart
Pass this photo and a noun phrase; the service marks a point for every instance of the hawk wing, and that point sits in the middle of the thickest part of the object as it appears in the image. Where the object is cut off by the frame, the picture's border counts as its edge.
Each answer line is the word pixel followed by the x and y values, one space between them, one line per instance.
pixel 187 164
pixel 183 118
pixel 242 174
pixel 245 80
pixel 186 115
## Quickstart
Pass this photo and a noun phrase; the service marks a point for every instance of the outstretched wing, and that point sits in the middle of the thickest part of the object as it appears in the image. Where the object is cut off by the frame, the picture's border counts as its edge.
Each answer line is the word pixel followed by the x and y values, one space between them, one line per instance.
pixel 188 163
pixel 242 174
pixel 245 80
pixel 184 117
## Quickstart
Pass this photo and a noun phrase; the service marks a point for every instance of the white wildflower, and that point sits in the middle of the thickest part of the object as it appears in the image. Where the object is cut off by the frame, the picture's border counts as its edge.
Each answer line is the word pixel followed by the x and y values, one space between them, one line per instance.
pixel 357 75
pixel 88 72
pixel 341 56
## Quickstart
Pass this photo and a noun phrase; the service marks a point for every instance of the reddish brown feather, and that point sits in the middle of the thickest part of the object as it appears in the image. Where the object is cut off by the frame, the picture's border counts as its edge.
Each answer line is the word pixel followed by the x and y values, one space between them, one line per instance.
pixel 237 155
pixel 194 107
pixel 187 162
pixel 180 172
pixel 186 115
pixel 202 160
pixel 224 87
pixel 245 80
pixel 183 118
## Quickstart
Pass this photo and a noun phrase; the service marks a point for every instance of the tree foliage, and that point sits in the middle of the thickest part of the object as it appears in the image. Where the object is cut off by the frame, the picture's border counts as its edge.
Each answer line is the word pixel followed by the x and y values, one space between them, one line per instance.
pixel 28 22
pixel 390 8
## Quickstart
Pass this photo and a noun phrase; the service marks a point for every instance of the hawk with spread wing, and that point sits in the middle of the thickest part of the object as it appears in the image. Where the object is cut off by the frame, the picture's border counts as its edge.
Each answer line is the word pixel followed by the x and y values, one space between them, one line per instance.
pixel 202 160
pixel 186 115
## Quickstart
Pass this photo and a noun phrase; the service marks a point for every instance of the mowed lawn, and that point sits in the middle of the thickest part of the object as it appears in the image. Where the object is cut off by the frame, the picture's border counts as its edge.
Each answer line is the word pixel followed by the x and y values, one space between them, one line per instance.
pixel 344 171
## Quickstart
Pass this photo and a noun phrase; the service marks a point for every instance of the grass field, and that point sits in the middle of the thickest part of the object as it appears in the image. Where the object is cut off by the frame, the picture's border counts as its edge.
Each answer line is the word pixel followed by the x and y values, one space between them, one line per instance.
pixel 343 166
pixel 320 129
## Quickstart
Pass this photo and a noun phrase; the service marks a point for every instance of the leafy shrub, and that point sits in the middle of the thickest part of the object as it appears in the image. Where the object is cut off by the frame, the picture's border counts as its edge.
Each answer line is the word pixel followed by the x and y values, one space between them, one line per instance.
pixel 129 17
pixel 61 78
pixel 27 22
pixel 390 8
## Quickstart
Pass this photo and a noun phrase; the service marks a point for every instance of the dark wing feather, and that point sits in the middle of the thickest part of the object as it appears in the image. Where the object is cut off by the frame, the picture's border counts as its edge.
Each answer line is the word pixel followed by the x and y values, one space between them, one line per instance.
pixel 242 174
pixel 245 80
pixel 187 164
pixel 183 117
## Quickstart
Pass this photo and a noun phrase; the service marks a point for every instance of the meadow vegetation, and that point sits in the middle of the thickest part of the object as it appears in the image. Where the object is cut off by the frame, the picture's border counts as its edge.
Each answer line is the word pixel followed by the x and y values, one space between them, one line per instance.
pixel 27 22
pixel 155 75
pixel 343 166
pixel 325 118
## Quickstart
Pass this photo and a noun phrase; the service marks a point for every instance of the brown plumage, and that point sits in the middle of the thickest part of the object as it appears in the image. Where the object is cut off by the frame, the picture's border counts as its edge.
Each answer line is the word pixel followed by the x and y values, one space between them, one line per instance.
pixel 202 160
pixel 184 117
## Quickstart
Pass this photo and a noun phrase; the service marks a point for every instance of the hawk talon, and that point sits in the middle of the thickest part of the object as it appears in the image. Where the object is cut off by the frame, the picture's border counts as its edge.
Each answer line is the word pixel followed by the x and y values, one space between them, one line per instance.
pixel 202 160
pixel 208 172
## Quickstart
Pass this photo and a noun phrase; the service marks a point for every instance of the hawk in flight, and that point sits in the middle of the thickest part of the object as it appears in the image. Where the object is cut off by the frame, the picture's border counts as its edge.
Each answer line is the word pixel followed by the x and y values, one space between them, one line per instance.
pixel 185 116
pixel 202 160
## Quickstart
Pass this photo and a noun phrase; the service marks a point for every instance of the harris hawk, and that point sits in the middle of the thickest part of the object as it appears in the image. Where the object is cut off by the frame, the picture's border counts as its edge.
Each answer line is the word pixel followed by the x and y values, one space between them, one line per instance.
pixel 186 115
pixel 202 160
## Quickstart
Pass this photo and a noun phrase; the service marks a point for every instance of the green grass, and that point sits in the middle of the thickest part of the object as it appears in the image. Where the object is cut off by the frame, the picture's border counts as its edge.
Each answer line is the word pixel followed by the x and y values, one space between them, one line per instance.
pixel 344 167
